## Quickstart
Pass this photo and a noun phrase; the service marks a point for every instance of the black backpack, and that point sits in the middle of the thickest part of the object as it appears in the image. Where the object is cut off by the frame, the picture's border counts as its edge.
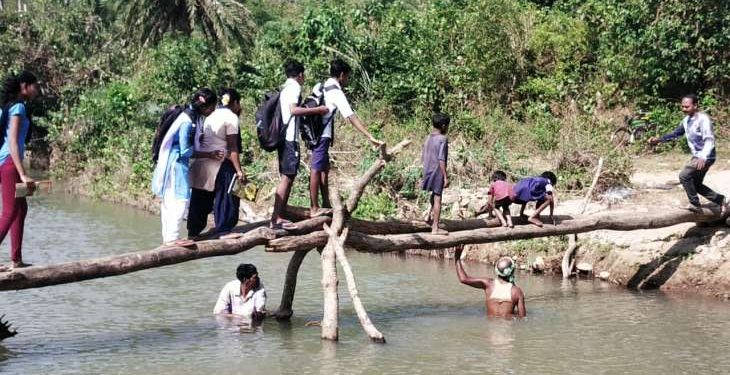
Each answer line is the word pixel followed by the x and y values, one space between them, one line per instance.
pixel 5 122
pixel 163 126
pixel 270 127
pixel 311 127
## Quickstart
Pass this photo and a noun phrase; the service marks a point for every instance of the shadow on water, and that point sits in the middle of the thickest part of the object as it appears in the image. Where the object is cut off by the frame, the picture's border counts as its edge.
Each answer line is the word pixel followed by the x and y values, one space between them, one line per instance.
pixel 654 274
pixel 5 354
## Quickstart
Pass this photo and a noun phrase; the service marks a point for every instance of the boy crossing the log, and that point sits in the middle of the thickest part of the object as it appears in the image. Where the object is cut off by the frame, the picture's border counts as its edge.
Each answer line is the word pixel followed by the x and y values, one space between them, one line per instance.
pixel 288 152
pixel 539 189
pixel 435 157
pixel 335 101
pixel 500 198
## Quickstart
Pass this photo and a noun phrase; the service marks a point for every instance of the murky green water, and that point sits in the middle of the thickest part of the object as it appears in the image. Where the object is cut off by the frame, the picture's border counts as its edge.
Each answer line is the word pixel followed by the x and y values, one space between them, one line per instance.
pixel 159 321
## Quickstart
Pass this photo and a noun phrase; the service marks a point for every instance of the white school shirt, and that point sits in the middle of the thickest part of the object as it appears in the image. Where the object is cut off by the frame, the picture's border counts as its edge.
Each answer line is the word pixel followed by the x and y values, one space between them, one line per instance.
pixel 290 95
pixel 230 300
pixel 334 99
pixel 220 124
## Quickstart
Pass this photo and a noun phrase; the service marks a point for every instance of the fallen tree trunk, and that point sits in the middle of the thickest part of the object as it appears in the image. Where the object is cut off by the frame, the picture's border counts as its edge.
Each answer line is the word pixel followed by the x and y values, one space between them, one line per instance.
pixel 338 240
pixel 401 226
pixel 36 277
pixel 567 264
pixel 6 330
pixel 319 238
pixel 610 221
pixel 284 312
pixel 330 317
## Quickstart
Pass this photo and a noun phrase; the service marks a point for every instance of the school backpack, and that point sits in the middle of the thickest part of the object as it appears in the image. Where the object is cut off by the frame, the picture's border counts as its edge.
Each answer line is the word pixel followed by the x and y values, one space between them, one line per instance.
pixel 270 126
pixel 311 127
pixel 166 120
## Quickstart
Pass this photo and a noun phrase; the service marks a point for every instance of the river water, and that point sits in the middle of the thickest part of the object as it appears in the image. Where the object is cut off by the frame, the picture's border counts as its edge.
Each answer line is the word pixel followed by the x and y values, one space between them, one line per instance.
pixel 159 321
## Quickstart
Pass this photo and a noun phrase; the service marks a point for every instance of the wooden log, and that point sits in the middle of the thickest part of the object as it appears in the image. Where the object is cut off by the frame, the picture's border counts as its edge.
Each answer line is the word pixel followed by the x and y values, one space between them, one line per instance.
pixel 6 330
pixel 40 276
pixel 401 226
pixel 364 180
pixel 567 265
pixel 612 221
pixel 330 316
pixel 339 241
pixel 284 312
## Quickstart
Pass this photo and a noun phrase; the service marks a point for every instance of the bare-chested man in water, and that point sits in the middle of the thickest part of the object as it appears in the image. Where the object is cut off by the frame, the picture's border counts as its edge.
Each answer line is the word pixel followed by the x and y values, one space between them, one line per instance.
pixel 503 297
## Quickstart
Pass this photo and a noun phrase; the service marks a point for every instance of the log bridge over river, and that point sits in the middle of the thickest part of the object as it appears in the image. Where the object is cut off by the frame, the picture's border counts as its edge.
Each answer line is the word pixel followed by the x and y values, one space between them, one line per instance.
pixel 330 236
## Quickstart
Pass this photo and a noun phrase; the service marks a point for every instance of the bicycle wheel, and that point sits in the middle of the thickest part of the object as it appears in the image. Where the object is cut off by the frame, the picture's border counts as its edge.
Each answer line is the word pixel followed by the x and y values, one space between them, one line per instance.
pixel 621 137
pixel 640 132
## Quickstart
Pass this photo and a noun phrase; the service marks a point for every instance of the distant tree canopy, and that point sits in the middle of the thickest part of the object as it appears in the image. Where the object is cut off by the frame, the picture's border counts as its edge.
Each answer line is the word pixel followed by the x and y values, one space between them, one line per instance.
pixel 224 21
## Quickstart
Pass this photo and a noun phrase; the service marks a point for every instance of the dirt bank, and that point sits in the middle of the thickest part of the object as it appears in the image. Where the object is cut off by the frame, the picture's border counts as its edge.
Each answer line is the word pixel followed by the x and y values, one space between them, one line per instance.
pixel 684 257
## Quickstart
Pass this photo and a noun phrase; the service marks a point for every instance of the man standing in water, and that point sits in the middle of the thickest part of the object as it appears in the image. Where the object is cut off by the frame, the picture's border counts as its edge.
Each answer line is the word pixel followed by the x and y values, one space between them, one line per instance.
pixel 244 297
pixel 502 296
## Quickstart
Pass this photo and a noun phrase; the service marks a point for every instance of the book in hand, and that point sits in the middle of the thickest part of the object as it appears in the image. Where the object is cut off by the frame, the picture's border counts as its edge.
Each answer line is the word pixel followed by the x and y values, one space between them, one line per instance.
pixel 21 188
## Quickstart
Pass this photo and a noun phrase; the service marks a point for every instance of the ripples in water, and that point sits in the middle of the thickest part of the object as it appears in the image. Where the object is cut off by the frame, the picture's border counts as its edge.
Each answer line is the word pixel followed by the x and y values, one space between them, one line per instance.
pixel 159 321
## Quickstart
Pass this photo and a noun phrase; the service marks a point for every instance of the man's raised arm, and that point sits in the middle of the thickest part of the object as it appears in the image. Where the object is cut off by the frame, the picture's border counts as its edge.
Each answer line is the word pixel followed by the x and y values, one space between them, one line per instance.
pixel 463 277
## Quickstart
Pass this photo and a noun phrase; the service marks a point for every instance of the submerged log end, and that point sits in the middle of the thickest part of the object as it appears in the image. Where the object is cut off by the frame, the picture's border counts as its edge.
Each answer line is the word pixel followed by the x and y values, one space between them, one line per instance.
pixel 379 340
pixel 5 329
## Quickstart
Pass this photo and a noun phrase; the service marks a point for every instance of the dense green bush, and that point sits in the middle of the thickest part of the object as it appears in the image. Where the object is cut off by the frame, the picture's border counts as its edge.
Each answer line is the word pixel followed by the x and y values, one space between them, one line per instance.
pixel 523 80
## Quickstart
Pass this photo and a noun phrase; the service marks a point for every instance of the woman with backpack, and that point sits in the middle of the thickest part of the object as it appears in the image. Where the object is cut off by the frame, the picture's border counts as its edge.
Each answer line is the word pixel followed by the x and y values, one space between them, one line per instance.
pixel 16 130
pixel 172 150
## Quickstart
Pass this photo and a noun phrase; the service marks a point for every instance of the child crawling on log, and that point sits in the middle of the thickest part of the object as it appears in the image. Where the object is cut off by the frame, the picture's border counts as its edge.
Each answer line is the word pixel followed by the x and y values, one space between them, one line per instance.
pixel 504 299
pixel 435 156
pixel 539 189
pixel 500 198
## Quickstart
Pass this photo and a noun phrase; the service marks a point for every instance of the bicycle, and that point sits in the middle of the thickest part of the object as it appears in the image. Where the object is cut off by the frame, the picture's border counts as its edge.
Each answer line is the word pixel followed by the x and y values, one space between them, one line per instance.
pixel 634 128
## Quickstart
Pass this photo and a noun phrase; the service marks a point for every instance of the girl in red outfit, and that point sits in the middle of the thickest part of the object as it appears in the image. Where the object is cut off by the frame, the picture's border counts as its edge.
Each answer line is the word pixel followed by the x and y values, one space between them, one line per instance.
pixel 15 127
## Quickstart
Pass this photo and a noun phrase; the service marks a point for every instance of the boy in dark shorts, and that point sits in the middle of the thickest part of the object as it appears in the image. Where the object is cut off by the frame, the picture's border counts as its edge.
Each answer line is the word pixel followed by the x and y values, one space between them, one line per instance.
pixel 500 198
pixel 536 189
pixel 335 101
pixel 288 151
pixel 435 156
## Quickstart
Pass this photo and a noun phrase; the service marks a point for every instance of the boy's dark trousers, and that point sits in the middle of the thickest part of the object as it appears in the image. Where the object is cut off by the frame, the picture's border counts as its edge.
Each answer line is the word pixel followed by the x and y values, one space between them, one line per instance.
pixel 691 179
pixel 224 206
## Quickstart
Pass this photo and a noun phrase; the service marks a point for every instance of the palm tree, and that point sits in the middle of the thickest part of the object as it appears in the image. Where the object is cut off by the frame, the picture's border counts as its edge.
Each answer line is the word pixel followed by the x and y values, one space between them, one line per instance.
pixel 225 21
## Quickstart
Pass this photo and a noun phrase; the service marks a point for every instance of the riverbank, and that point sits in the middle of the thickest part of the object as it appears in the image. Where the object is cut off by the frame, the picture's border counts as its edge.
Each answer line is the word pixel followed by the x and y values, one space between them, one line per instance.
pixel 681 258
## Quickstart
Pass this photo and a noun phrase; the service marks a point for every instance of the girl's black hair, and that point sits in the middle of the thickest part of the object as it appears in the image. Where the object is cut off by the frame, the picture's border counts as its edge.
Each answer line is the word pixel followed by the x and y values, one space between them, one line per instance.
pixel 232 94
pixel 208 96
pixel 499 176
pixel 9 96
pixel 11 86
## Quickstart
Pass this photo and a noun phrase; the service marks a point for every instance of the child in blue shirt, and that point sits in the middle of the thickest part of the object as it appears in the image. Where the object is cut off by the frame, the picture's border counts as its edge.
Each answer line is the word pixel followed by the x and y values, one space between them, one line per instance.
pixel 539 189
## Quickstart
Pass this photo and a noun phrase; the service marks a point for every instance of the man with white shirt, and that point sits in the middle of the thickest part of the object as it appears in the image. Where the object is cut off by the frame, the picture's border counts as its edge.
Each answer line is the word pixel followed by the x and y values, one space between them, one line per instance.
pixel 244 297
pixel 697 127
pixel 335 101
pixel 288 151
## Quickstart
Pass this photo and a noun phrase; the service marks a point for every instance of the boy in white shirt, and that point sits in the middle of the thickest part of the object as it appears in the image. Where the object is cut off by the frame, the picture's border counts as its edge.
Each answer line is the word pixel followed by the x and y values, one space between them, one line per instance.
pixel 288 151
pixel 335 101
